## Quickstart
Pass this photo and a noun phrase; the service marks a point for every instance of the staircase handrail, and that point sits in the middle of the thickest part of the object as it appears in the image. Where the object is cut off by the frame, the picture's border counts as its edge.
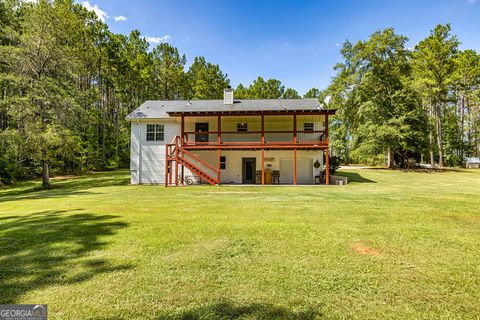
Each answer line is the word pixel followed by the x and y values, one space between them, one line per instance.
pixel 188 163
pixel 175 140
pixel 208 165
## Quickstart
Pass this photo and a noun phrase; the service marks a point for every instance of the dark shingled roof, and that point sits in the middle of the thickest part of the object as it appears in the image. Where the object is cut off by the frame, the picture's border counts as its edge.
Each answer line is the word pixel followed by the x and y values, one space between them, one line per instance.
pixel 157 109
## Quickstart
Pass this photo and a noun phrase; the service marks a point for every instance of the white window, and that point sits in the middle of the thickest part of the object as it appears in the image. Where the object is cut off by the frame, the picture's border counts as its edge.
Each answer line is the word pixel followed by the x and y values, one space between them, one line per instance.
pixel 308 126
pixel 155 132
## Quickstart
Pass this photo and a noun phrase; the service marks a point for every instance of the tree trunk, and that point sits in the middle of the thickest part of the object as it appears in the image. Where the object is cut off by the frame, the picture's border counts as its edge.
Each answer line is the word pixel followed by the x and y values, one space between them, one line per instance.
pixel 430 134
pixel 46 175
pixel 462 124
pixel 432 156
pixel 470 122
pixel 439 128
pixel 390 160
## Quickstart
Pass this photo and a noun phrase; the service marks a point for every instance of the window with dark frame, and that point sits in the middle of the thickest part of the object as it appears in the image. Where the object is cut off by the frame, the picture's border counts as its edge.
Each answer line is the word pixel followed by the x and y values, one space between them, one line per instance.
pixel 155 132
pixel 308 126
pixel 242 127
pixel 223 162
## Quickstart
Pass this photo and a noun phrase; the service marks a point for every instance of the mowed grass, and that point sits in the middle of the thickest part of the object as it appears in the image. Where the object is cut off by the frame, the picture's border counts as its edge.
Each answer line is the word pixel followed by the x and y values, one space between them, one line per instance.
pixel 390 245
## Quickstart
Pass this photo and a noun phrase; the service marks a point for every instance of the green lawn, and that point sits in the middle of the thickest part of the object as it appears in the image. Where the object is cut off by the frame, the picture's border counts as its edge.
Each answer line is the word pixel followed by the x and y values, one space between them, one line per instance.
pixel 390 245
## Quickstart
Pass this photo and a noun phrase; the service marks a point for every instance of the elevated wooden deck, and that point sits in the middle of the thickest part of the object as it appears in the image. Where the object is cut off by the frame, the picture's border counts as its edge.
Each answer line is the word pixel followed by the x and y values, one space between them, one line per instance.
pixel 262 140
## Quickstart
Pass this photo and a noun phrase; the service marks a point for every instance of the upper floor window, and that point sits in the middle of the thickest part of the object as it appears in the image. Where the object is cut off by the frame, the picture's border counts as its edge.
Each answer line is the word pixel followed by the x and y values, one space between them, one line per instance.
pixel 242 127
pixel 155 132
pixel 308 126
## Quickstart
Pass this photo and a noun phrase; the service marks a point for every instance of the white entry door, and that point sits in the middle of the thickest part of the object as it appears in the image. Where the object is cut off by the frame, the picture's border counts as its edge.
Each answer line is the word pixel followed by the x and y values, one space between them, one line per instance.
pixel 304 170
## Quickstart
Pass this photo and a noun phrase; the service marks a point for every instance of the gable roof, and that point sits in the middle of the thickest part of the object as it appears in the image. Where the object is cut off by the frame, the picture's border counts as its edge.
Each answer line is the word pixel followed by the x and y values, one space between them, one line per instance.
pixel 160 109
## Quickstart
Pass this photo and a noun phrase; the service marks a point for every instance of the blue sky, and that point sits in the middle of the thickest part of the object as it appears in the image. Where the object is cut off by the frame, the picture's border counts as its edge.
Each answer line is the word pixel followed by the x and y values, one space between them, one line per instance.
pixel 296 42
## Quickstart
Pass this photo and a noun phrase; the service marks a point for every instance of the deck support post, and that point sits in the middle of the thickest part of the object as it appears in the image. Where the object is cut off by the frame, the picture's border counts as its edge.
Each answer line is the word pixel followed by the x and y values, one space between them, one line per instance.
pixel 294 166
pixel 182 140
pixel 182 125
pixel 327 168
pixel 219 142
pixel 294 149
pixel 166 165
pixel 263 149
pixel 327 160
pixel 182 170
pixel 170 173
pixel 176 166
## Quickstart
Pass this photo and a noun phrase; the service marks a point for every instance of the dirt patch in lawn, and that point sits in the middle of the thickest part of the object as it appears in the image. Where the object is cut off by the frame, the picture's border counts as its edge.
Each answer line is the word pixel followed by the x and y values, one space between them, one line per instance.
pixel 474 219
pixel 470 218
pixel 465 218
pixel 361 248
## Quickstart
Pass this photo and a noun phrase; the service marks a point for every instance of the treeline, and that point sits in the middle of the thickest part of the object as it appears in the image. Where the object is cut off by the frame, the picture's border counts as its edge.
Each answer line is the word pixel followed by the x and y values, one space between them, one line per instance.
pixel 67 83
pixel 271 89
pixel 397 103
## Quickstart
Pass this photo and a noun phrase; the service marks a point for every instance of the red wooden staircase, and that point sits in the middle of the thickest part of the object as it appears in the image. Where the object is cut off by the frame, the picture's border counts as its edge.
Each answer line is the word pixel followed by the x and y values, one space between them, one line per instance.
pixel 178 157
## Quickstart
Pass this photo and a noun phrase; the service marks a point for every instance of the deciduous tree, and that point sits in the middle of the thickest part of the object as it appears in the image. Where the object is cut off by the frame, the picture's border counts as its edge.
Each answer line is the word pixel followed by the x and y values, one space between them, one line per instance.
pixel 433 65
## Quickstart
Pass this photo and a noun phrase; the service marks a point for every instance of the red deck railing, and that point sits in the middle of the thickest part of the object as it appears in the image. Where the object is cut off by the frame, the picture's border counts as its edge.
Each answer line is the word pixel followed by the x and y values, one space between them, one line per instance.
pixel 254 138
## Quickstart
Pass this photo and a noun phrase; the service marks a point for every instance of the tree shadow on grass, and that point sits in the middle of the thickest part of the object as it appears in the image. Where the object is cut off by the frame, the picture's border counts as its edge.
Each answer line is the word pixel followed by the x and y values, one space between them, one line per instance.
pixel 354 177
pixel 73 186
pixel 228 310
pixel 52 248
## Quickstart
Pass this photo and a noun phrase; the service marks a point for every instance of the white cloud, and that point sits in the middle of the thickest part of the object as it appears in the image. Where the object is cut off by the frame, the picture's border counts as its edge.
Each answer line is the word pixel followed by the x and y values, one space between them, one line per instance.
pixel 120 18
pixel 102 15
pixel 157 40
pixel 471 1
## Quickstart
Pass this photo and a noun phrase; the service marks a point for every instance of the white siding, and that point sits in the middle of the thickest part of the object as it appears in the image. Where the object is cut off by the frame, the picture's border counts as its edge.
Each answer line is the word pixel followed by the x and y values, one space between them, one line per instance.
pixel 135 153
pixel 147 163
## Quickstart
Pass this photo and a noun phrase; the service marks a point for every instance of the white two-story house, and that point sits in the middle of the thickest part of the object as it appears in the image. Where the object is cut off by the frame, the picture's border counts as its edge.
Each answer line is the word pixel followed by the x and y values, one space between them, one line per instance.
pixel 261 141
